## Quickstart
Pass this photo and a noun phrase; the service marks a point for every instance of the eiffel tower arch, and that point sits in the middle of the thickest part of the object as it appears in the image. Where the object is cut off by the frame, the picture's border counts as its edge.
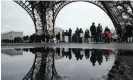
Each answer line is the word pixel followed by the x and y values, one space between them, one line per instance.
pixel 44 13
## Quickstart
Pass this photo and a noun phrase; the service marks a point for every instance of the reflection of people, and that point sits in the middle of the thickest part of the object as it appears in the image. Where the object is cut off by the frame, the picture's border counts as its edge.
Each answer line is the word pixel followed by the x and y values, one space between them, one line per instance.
pixel 93 57
pixel 87 53
pixel 99 56
pixel 63 52
pixel 77 53
pixel 58 51
pixel 70 34
pixel 107 54
pixel 69 53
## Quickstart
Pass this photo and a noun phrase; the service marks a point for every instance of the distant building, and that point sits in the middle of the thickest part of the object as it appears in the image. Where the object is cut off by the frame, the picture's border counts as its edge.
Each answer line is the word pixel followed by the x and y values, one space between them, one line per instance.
pixel 11 35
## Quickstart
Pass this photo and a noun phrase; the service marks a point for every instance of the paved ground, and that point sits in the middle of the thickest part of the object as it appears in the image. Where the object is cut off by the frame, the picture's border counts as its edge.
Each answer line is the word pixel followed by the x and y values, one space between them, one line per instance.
pixel 128 46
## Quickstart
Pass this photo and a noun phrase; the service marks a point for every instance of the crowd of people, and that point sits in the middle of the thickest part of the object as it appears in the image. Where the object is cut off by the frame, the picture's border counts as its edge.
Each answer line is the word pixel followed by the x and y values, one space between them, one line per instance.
pixel 88 53
pixel 96 34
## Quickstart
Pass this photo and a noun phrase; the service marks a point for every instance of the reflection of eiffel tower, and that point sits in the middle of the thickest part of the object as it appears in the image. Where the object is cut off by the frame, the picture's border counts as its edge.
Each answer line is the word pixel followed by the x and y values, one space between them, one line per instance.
pixel 43 67
pixel 12 52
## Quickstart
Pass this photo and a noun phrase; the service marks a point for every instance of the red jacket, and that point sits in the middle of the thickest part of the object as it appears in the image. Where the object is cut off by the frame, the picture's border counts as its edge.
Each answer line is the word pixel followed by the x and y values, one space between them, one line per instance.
pixel 107 34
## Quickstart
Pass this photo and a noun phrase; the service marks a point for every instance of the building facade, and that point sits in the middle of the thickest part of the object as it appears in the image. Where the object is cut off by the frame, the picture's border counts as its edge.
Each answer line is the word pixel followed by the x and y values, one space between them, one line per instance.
pixel 11 35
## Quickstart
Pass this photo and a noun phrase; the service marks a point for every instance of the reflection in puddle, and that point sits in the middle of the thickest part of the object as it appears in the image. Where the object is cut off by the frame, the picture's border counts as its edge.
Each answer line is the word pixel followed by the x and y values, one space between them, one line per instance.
pixel 68 63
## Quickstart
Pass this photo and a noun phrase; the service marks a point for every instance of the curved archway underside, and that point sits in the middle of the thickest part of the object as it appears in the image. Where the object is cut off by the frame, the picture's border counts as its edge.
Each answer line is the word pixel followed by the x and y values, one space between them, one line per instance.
pixel 44 13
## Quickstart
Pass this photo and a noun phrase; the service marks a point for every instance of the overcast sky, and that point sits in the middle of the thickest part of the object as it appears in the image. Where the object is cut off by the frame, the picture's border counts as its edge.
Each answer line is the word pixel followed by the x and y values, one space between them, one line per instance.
pixel 77 14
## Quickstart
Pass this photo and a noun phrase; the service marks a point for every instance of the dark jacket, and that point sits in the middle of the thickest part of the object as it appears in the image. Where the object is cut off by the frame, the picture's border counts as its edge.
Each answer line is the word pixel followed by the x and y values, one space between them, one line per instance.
pixel 93 29
pixel 129 29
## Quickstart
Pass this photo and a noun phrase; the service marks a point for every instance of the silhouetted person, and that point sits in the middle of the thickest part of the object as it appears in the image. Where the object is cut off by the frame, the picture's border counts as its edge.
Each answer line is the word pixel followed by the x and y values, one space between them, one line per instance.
pixel 99 56
pixel 93 32
pixel 99 32
pixel 63 36
pixel 93 57
pixel 69 53
pixel 77 54
pixel 58 51
pixel 74 37
pixel 77 35
pixel 129 30
pixel 119 32
pixel 81 35
pixel 87 35
pixel 70 34
pixel 107 29
pixel 63 52
pixel 58 37
pixel 66 36
pixel 47 37
pixel 87 53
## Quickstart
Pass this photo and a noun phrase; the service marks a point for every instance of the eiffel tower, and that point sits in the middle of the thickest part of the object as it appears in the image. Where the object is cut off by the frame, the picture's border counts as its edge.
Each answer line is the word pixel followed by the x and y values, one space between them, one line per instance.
pixel 44 13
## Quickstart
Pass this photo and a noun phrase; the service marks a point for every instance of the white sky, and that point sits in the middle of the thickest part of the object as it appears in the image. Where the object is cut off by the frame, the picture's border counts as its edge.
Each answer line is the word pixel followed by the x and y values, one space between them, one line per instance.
pixel 73 15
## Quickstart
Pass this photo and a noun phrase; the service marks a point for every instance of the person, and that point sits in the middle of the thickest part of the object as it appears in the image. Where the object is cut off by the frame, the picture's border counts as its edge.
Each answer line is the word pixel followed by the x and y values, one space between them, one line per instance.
pixel 93 57
pixel 77 35
pixel 47 37
pixel 52 38
pixel 70 34
pixel 129 33
pixel 124 34
pixel 107 37
pixel 114 36
pixel 58 37
pixel 99 32
pixel 66 36
pixel 93 32
pixel 81 35
pixel 87 53
pixel 63 36
pixel 107 29
pixel 87 35
pixel 119 32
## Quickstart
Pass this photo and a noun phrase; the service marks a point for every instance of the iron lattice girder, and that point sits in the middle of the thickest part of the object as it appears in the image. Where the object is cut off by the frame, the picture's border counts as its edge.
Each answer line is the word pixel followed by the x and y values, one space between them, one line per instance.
pixel 44 13
pixel 43 67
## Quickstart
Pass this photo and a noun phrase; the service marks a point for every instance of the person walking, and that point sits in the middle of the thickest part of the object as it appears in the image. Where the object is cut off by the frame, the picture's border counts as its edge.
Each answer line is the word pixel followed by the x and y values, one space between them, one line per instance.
pixel 93 32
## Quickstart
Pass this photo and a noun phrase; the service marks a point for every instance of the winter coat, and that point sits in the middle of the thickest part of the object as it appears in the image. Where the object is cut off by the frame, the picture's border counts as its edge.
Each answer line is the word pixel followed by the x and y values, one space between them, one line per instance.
pixel 129 31
pixel 93 29
pixel 107 34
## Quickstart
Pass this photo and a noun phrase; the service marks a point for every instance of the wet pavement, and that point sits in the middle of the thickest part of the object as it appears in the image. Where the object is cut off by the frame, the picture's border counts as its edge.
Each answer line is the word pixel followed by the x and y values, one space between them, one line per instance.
pixel 66 64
